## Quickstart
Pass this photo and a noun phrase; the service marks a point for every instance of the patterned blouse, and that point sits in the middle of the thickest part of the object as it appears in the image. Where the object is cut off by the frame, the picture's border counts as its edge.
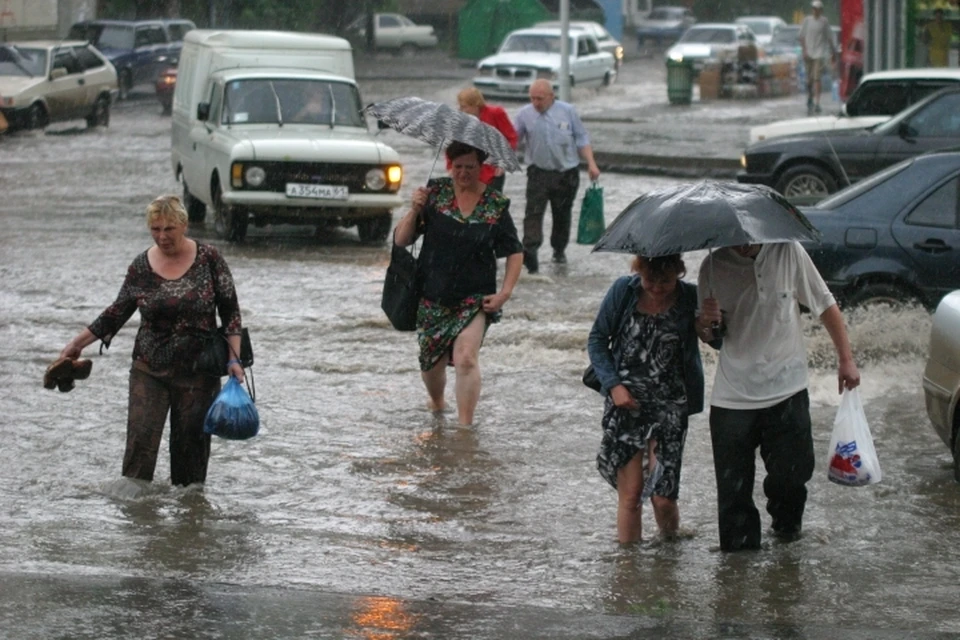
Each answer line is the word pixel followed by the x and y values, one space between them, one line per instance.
pixel 174 314
pixel 459 254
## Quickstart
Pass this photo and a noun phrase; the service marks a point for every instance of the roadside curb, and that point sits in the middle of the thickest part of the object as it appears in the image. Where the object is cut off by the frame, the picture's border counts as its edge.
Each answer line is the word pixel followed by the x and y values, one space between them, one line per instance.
pixel 673 166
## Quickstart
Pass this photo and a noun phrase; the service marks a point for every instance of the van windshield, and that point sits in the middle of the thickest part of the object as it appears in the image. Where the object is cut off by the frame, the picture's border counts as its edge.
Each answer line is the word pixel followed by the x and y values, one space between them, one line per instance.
pixel 286 101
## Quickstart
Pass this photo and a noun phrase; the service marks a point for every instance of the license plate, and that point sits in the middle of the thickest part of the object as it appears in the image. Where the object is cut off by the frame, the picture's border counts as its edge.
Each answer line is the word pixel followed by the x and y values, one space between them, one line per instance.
pixel 320 191
pixel 511 88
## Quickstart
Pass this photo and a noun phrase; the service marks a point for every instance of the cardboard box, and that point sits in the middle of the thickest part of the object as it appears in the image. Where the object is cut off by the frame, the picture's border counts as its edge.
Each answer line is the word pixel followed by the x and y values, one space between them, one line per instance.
pixel 710 82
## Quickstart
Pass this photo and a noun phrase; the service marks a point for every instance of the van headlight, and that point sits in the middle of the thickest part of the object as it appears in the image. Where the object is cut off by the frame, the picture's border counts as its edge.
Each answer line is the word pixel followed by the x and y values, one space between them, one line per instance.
pixel 255 176
pixel 376 179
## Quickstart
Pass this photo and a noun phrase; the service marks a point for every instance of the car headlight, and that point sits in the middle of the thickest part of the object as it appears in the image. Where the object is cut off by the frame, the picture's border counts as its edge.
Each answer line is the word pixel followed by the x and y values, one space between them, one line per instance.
pixel 676 56
pixel 255 176
pixel 484 71
pixel 743 161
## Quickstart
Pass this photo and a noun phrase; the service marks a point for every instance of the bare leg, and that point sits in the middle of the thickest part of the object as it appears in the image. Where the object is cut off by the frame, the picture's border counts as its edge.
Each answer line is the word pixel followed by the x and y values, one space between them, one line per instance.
pixel 629 511
pixel 667 515
pixel 651 454
pixel 466 360
pixel 435 380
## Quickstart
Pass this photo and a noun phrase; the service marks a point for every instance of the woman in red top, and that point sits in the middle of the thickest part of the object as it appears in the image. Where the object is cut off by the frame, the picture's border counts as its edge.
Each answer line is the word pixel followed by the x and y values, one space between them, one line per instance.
pixel 471 101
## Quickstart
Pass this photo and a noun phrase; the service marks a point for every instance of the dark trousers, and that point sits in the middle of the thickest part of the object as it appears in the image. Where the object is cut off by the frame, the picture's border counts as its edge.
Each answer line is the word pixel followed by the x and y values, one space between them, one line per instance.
pixel 559 189
pixel 784 436
pixel 187 401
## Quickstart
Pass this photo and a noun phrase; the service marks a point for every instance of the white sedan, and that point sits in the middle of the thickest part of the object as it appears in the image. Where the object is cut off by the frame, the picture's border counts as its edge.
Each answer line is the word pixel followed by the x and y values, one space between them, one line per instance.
pixel 529 54
pixel 941 376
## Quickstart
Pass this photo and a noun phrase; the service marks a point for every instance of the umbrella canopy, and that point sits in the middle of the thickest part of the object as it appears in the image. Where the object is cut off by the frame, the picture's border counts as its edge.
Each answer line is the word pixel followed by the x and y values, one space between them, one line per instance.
pixel 704 215
pixel 438 124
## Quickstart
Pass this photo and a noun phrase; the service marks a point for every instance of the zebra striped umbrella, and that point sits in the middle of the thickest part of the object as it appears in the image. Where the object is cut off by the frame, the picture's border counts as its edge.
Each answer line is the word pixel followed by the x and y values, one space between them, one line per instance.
pixel 438 124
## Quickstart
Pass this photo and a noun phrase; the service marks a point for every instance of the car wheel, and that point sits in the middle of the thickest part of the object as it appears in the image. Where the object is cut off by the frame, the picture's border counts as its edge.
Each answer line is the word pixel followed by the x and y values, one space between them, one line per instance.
pixel 196 210
pixel 100 116
pixel 881 293
pixel 408 50
pixel 124 84
pixel 36 117
pixel 374 230
pixel 230 224
pixel 806 180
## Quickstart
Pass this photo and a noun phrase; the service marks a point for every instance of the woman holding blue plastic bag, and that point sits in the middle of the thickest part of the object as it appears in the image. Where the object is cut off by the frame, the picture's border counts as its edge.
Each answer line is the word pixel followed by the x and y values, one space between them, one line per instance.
pixel 179 286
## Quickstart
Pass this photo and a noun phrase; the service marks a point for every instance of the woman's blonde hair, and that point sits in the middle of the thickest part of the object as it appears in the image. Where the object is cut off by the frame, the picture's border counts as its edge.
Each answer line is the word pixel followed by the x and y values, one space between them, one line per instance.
pixel 167 207
pixel 471 97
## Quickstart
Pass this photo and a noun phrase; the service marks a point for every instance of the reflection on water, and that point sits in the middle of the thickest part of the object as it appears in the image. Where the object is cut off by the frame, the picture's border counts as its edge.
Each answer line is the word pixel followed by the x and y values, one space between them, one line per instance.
pixel 381 619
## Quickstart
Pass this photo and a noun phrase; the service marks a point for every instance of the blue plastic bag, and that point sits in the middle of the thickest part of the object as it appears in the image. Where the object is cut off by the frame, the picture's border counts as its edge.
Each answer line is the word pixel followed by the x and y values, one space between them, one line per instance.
pixel 233 415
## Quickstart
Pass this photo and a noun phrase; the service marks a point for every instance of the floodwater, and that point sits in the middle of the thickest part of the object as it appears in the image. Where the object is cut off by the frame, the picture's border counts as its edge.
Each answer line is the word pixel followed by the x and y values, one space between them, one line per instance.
pixel 357 513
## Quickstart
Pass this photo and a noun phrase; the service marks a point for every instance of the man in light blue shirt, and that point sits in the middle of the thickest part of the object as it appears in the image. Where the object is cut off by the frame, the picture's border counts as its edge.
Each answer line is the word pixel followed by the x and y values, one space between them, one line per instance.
pixel 555 142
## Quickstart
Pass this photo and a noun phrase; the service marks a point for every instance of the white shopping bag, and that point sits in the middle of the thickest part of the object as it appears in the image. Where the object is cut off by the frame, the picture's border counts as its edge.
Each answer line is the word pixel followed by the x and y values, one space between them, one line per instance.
pixel 852 459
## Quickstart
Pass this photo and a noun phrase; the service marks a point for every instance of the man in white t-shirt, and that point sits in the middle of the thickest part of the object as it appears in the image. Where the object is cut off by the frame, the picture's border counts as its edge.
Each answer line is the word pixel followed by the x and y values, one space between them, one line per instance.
pixel 759 396
pixel 816 41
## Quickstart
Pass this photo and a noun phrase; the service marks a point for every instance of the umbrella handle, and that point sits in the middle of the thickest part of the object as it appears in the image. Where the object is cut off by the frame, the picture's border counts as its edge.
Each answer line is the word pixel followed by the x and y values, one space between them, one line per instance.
pixel 435 158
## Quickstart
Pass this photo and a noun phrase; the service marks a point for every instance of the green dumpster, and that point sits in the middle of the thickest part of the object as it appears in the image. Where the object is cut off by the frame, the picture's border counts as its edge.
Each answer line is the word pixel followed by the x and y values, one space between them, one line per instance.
pixel 679 81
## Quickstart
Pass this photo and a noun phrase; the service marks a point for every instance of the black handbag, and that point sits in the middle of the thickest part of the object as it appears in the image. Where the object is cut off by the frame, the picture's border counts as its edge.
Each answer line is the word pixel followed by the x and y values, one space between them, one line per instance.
pixel 591 380
pixel 213 357
pixel 401 293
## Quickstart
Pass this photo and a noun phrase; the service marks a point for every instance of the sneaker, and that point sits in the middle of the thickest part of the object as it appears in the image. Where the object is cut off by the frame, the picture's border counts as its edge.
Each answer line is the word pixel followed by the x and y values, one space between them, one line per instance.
pixel 651 478
pixel 559 257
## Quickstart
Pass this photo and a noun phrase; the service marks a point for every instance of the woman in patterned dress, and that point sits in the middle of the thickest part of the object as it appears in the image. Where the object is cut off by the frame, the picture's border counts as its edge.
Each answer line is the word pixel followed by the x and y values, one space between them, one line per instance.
pixel 643 346
pixel 179 286
pixel 466 226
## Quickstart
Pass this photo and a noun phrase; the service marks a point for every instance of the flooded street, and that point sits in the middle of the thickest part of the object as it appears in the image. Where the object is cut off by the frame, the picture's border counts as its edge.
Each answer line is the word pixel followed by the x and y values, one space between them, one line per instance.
pixel 356 513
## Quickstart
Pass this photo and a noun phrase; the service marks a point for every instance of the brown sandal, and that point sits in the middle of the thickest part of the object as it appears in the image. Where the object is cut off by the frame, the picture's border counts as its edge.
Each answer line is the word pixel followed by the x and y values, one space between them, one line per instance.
pixel 62 368
pixel 82 369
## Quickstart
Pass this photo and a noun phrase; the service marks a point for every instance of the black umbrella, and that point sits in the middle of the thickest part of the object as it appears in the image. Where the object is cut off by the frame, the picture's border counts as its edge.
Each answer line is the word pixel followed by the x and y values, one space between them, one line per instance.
pixel 704 215
pixel 438 124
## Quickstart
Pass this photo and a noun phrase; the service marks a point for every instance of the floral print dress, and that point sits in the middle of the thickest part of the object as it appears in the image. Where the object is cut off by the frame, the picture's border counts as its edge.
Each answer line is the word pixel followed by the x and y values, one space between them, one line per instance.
pixel 458 265
pixel 651 368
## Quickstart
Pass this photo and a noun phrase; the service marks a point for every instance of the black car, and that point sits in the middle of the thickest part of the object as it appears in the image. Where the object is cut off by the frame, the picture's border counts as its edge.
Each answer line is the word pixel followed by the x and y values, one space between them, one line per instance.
pixel 816 164
pixel 894 237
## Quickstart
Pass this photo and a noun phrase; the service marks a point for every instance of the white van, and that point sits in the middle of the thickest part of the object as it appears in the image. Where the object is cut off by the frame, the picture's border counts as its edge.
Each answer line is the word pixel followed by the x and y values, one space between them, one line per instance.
pixel 267 126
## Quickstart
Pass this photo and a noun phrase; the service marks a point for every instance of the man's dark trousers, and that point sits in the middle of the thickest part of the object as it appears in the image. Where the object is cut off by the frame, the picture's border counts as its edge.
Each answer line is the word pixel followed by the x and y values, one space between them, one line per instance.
pixel 559 188
pixel 786 446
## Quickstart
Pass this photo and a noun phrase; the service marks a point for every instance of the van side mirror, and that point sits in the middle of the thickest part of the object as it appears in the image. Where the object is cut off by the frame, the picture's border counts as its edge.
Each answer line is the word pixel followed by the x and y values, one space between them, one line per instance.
pixel 203 111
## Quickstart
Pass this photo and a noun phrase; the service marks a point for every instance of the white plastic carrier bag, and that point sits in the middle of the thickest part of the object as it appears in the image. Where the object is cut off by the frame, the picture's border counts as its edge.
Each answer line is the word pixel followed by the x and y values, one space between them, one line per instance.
pixel 852 459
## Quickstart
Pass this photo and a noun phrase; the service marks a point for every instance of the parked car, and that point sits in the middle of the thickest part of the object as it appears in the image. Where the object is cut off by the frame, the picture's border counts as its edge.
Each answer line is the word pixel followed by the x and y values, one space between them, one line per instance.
pixel 50 81
pixel 941 376
pixel 784 40
pixel 764 27
pixel 879 96
pixel 605 41
pixel 663 26
pixel 393 31
pixel 166 83
pixel 139 49
pixel 894 237
pixel 813 165
pixel 529 54
pixel 702 42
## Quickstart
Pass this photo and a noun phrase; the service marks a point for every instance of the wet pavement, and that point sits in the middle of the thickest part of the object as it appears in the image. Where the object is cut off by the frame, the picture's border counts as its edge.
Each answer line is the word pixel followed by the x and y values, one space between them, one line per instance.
pixel 357 513
pixel 633 126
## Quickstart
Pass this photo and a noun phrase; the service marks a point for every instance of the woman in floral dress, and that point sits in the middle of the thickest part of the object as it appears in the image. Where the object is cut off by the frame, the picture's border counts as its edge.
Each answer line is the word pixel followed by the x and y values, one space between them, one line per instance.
pixel 466 226
pixel 644 349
